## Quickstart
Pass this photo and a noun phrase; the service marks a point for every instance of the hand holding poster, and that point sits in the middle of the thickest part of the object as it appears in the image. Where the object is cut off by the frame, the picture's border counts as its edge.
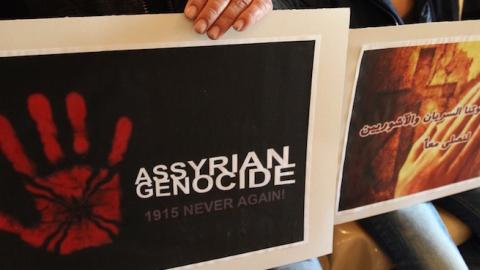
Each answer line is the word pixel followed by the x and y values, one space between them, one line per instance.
pixel 414 127
pixel 126 145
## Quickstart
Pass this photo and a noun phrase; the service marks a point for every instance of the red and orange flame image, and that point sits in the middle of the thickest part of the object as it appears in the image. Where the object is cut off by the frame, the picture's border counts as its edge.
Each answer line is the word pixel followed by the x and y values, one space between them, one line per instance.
pixel 440 86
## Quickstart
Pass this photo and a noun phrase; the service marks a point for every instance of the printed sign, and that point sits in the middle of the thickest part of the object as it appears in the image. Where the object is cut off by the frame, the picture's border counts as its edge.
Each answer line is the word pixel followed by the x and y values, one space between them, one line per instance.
pixel 158 157
pixel 414 124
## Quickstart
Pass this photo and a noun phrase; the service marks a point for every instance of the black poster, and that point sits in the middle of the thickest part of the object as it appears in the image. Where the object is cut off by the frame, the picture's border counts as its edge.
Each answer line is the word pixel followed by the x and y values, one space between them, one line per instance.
pixel 152 159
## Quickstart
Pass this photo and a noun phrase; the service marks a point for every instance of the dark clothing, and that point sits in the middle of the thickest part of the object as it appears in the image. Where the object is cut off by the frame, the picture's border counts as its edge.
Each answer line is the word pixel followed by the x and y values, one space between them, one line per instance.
pixel 471 10
pixel 27 9
pixel 365 13
pixel 370 13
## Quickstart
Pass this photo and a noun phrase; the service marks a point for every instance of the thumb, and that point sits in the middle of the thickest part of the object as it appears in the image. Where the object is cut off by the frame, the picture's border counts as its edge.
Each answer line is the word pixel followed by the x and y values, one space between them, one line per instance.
pixel 9 224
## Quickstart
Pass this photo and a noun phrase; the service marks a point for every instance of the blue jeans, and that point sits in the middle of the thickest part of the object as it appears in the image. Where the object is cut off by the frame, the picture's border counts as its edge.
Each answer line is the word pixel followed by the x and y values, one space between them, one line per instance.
pixel 311 264
pixel 415 238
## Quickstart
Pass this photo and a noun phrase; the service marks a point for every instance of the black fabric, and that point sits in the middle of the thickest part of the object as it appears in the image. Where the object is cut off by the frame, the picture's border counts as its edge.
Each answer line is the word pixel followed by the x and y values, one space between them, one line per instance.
pixel 364 13
pixel 30 9
pixel 162 6
pixel 444 10
pixel 371 13
pixel 13 10
pixel 470 251
pixel 471 10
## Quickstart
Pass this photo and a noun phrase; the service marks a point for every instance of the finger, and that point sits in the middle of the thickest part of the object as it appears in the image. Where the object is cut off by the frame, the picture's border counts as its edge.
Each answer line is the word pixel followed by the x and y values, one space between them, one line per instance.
pixel 41 113
pixel 193 7
pixel 13 150
pixel 9 224
pixel 257 10
pixel 229 15
pixel 123 131
pixel 209 14
pixel 77 112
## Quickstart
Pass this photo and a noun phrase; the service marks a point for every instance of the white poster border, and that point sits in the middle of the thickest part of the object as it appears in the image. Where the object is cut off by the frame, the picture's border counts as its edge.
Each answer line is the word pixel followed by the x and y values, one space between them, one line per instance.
pixel 329 28
pixel 362 40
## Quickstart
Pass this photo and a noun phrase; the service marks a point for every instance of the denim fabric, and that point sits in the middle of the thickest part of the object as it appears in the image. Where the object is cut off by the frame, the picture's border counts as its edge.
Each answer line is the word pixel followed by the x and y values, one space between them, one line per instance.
pixel 311 264
pixel 415 238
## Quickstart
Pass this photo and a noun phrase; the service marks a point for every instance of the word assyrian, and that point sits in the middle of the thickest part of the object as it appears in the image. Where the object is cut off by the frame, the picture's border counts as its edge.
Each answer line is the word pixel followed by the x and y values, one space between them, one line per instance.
pixel 222 173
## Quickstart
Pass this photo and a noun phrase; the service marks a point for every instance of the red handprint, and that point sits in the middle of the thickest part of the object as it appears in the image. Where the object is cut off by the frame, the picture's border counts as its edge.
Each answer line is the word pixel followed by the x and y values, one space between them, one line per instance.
pixel 79 207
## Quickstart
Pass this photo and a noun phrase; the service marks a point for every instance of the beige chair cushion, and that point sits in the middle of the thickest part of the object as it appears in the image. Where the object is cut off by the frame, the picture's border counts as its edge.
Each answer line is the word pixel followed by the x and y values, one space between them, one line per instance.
pixel 354 249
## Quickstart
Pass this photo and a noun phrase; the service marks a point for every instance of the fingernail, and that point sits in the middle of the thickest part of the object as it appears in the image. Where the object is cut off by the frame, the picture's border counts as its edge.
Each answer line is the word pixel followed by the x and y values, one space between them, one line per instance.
pixel 214 32
pixel 201 26
pixel 238 25
pixel 191 12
